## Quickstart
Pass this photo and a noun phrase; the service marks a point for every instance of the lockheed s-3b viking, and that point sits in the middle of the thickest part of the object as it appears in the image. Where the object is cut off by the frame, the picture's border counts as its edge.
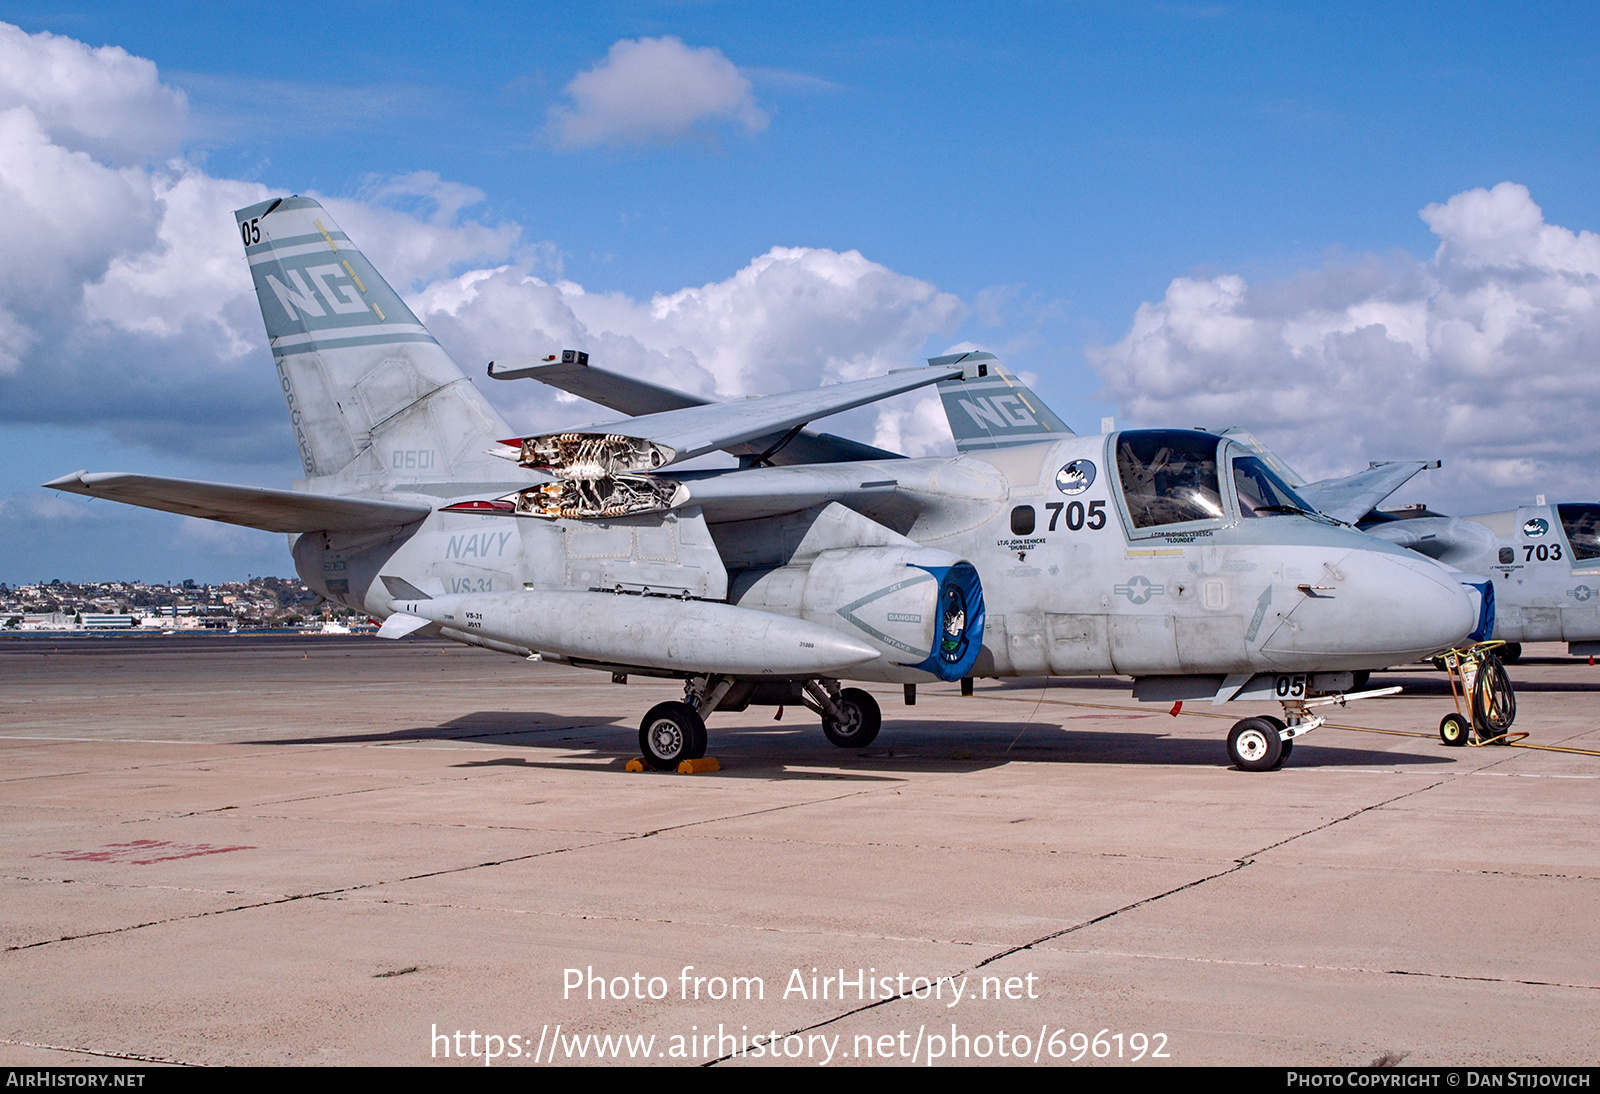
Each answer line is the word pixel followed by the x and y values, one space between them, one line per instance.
pixel 1173 556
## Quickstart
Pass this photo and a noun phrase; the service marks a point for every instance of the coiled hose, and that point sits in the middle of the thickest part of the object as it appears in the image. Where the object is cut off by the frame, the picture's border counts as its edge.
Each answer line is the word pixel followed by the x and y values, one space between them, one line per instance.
pixel 1492 701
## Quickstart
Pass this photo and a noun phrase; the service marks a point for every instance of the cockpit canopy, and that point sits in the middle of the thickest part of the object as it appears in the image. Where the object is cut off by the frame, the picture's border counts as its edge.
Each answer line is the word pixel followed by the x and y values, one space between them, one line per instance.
pixel 1261 492
pixel 1582 525
pixel 1170 476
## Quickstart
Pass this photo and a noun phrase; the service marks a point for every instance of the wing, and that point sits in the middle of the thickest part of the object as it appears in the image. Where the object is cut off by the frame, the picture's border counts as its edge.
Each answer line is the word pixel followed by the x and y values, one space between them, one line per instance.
pixel 639 398
pixel 607 470
pixel 1354 496
pixel 650 442
pixel 251 506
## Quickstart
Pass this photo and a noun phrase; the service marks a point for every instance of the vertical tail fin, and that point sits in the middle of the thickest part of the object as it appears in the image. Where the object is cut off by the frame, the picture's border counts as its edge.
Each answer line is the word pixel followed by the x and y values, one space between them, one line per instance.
pixel 995 411
pixel 373 399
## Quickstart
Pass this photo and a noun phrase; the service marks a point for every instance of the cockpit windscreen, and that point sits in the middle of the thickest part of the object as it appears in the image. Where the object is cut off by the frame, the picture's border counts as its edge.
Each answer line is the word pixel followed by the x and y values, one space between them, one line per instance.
pixel 1261 492
pixel 1582 525
pixel 1169 476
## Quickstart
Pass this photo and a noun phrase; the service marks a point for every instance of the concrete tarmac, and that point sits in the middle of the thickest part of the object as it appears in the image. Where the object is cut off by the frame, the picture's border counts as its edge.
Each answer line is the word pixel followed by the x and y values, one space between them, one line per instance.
pixel 349 851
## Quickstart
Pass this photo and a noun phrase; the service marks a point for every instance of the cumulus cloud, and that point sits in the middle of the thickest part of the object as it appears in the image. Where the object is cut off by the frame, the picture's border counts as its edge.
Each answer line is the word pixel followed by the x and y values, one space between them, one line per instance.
pixel 653 91
pixel 124 300
pixel 126 306
pixel 1482 354
pixel 102 101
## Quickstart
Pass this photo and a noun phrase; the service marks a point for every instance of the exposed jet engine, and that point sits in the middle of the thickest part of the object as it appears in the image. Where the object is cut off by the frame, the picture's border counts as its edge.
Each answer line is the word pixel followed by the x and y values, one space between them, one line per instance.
pixel 596 475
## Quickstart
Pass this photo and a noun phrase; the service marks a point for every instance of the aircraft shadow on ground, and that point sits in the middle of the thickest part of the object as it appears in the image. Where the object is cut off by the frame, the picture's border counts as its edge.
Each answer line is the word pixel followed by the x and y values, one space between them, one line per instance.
pixel 906 746
pixel 484 726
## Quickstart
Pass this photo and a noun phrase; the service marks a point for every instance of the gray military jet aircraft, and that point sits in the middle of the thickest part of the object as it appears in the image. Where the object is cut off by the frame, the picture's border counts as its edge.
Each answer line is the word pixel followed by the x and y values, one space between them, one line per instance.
pixel 1544 561
pixel 1173 556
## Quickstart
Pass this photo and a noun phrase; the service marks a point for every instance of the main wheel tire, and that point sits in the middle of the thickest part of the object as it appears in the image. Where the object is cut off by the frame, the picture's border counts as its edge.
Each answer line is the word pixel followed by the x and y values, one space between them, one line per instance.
pixel 1454 730
pixel 1254 745
pixel 1511 653
pixel 1362 679
pixel 862 720
pixel 671 733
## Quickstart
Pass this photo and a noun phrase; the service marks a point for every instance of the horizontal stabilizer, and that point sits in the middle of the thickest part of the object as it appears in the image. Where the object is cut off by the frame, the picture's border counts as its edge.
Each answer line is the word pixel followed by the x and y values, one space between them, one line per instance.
pixel 1354 496
pixel 250 506
pixel 400 624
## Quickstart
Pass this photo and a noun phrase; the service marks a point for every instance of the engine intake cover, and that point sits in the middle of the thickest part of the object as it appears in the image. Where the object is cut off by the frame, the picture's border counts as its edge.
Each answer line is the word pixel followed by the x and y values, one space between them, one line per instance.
pixel 921 607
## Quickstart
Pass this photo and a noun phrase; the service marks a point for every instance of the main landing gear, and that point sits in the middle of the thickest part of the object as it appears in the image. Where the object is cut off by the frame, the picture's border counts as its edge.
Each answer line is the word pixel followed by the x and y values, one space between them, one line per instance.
pixel 676 731
pixel 850 716
pixel 671 733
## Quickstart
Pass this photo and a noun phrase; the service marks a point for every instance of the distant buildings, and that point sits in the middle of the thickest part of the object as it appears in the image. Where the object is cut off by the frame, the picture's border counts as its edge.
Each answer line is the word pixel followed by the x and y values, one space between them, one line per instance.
pixel 127 606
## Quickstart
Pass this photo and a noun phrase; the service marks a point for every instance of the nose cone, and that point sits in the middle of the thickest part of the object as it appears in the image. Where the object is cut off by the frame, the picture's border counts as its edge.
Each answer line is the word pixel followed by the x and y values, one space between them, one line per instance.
pixel 1374 608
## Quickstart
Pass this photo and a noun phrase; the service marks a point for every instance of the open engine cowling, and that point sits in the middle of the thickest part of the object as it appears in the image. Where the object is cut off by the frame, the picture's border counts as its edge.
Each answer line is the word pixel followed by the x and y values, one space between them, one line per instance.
pixel 922 608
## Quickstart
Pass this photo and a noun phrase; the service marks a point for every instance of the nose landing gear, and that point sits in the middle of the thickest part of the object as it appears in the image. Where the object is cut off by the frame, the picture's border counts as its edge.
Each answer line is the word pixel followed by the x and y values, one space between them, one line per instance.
pixel 1255 744
pixel 1264 743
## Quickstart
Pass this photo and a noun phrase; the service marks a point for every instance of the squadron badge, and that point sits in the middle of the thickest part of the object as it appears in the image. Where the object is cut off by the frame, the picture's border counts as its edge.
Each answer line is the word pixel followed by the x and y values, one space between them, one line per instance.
pixel 1076 477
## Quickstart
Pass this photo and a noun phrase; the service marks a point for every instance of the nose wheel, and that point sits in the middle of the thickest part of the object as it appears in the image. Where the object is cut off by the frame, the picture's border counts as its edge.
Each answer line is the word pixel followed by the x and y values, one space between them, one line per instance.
pixel 1255 745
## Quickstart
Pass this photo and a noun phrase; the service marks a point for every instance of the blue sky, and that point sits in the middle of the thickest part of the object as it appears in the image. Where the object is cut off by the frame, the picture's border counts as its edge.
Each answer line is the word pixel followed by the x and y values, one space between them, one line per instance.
pixel 1052 167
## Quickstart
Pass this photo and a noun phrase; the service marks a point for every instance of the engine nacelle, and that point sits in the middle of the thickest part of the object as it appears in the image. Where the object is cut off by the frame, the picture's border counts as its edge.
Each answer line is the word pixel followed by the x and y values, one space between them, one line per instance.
pixel 921 608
